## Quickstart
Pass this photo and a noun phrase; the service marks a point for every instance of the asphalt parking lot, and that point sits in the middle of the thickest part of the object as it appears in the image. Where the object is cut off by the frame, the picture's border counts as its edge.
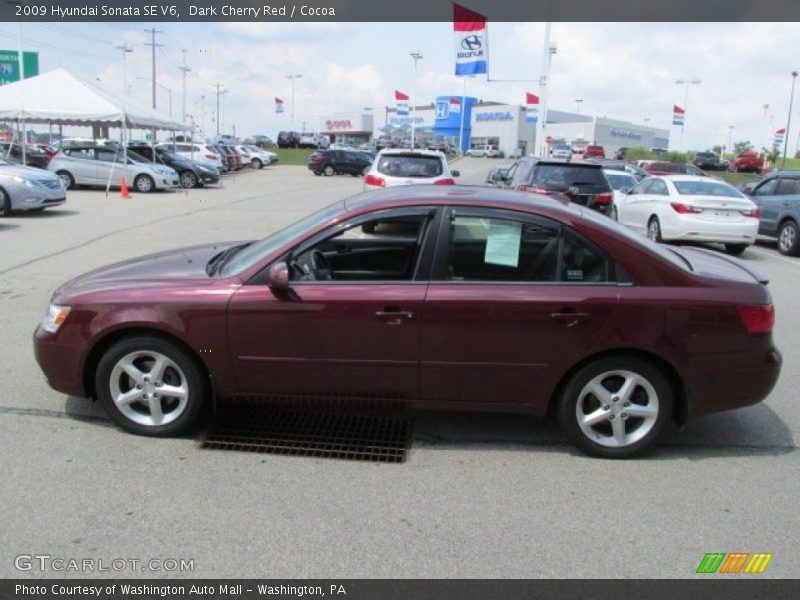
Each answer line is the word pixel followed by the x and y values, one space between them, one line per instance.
pixel 479 496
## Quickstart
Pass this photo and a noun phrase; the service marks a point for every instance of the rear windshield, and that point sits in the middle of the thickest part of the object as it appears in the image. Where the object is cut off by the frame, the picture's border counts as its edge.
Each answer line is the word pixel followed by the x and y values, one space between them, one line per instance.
pixel 406 165
pixel 706 188
pixel 562 177
pixel 619 181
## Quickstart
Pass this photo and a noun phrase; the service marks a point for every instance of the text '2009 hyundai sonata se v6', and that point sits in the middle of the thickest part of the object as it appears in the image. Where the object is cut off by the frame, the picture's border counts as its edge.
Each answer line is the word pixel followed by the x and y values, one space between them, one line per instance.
pixel 437 297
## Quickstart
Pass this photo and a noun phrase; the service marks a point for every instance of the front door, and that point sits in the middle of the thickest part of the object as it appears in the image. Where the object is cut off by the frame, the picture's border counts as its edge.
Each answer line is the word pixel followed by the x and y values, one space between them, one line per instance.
pixel 349 326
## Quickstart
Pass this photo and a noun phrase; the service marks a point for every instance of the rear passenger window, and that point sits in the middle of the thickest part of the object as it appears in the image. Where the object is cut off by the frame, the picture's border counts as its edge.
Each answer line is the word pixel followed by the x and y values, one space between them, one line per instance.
pixel 496 249
pixel 788 187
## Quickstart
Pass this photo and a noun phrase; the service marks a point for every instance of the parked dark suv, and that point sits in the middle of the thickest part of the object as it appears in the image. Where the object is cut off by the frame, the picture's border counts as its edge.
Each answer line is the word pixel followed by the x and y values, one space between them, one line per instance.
pixel 288 139
pixel 191 173
pixel 332 162
pixel 709 161
pixel 581 182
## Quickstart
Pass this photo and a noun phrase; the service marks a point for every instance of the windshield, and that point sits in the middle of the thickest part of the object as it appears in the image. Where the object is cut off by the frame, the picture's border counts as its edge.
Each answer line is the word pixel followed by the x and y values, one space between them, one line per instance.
pixel 706 188
pixel 166 154
pixel 259 250
pixel 619 181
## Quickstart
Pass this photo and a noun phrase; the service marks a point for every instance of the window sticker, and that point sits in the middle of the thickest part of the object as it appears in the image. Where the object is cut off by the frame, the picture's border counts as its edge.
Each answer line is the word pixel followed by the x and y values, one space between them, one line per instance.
pixel 502 244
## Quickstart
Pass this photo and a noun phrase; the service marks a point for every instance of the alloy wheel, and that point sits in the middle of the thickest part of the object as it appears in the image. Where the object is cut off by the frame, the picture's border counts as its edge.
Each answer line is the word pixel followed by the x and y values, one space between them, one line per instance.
pixel 787 240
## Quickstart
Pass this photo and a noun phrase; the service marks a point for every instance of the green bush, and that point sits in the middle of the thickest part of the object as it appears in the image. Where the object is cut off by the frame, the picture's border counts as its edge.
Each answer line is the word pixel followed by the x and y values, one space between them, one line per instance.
pixel 677 157
pixel 638 153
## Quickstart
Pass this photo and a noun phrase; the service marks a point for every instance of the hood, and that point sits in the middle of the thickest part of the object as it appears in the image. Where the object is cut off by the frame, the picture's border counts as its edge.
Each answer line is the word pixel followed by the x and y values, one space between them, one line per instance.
pixel 172 267
pixel 27 172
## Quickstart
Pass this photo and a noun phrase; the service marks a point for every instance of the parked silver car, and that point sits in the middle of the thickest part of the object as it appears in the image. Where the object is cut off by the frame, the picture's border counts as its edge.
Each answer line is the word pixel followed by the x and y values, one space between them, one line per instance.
pixel 260 157
pixel 100 165
pixel 28 188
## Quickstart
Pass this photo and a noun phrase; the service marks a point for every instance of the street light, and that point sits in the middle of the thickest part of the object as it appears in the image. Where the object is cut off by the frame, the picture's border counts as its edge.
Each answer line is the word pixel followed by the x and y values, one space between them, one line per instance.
pixel 686 83
pixel 416 55
pixel 578 103
pixel 789 119
pixel 293 77
pixel 126 49
pixel 646 121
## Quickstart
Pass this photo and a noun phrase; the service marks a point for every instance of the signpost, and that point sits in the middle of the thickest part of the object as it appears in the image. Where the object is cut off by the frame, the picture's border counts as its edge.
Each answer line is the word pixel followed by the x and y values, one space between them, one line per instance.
pixel 9 65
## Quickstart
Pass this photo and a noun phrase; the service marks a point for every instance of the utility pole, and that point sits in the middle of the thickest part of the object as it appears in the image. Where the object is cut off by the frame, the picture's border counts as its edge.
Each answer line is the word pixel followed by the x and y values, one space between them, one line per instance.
pixel 153 44
pixel 218 86
pixel 184 70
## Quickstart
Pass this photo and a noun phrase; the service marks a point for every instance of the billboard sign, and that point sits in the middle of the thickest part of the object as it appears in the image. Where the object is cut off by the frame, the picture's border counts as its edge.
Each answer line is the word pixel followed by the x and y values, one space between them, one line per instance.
pixel 9 65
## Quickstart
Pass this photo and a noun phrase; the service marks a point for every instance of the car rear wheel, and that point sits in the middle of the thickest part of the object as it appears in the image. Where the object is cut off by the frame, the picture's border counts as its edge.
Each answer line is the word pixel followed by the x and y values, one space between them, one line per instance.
pixel 735 249
pixel 144 184
pixel 615 407
pixel 328 170
pixel 614 213
pixel 654 229
pixel 5 204
pixel 151 386
pixel 256 163
pixel 67 178
pixel 788 239
pixel 188 179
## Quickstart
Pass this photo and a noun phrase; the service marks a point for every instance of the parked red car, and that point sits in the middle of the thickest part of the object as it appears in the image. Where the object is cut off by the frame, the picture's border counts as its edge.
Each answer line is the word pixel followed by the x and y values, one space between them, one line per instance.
pixel 749 160
pixel 434 296
pixel 593 151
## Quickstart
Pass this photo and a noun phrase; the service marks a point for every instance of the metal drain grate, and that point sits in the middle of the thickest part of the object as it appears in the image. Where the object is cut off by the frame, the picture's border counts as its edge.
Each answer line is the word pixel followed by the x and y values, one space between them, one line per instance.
pixel 310 433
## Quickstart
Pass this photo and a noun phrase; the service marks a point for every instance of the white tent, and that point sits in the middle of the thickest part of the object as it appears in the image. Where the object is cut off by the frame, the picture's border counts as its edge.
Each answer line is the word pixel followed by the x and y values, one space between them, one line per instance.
pixel 59 97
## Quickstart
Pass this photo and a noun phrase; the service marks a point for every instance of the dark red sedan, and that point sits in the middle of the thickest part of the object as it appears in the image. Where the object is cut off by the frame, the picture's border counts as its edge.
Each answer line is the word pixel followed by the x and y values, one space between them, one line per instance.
pixel 455 298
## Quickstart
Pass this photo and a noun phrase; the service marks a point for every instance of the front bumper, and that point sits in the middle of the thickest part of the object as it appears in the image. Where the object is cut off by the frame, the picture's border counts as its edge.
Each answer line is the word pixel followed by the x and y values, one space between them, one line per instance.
pixel 60 363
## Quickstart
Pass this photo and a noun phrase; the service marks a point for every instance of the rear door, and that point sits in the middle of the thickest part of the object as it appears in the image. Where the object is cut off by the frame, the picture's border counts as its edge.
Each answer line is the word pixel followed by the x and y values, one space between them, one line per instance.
pixel 514 301
pixel 769 202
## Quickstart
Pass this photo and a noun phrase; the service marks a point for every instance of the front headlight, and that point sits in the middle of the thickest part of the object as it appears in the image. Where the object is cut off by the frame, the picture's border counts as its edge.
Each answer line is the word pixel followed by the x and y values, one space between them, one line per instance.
pixel 55 317
pixel 23 181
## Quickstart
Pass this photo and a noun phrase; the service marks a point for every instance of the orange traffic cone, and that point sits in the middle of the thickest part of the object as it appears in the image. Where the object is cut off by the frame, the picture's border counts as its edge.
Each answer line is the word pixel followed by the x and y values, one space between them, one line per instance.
pixel 123 189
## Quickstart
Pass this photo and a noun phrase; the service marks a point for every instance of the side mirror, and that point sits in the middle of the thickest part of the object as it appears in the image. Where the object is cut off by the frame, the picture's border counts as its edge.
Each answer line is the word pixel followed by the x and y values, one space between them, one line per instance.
pixel 278 278
pixel 455 173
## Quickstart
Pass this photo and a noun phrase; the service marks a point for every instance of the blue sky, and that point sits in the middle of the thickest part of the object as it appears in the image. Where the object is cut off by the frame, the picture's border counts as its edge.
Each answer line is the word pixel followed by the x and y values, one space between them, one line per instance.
pixel 619 70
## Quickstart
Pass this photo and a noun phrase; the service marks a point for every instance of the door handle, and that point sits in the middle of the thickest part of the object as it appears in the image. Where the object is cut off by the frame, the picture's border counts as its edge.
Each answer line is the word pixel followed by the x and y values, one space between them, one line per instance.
pixel 569 317
pixel 394 317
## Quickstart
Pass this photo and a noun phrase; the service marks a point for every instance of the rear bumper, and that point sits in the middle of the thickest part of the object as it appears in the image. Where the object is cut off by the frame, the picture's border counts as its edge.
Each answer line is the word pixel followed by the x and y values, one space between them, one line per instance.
pixel 740 380
pixel 690 228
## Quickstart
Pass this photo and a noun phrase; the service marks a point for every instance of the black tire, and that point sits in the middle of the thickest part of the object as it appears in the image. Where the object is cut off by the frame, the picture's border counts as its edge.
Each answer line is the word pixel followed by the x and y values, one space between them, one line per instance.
pixel 188 372
pixel 654 230
pixel 67 178
pixel 188 179
pixel 735 249
pixel 789 238
pixel 256 163
pixel 643 432
pixel 5 204
pixel 144 184
pixel 329 170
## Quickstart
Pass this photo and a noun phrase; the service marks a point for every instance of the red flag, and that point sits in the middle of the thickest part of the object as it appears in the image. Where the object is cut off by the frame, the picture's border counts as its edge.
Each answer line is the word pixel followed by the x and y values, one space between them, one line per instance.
pixel 400 96
pixel 531 98
pixel 466 20
pixel 781 131
pixel 677 109
pixel 278 100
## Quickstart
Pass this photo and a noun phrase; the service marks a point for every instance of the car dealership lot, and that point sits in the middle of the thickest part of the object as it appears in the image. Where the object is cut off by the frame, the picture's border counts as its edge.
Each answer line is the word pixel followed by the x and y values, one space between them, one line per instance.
pixel 479 496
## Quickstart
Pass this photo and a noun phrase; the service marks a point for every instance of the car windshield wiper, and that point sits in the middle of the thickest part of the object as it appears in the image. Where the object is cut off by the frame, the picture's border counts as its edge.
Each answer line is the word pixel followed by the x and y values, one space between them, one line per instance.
pixel 216 263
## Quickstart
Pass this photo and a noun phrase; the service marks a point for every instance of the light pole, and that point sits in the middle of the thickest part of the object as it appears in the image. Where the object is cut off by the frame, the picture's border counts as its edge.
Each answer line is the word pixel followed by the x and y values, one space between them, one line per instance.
pixel 578 103
pixel 293 77
pixel 764 125
pixel 165 88
pixel 685 83
pixel 730 136
pixel 416 55
pixel 184 70
pixel 789 119
pixel 550 49
pixel 646 121
pixel 125 49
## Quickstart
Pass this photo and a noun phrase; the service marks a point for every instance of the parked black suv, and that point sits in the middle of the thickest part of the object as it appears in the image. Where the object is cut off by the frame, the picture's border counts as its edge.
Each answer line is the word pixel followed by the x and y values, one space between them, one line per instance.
pixel 288 139
pixel 332 162
pixel 709 161
pixel 581 182
pixel 191 173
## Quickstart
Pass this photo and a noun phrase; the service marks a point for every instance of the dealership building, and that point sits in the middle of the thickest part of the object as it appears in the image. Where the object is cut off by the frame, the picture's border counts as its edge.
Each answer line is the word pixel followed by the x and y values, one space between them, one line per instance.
pixel 502 125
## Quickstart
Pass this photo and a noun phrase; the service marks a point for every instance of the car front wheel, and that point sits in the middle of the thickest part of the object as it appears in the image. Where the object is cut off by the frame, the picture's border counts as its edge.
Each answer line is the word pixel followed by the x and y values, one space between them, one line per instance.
pixel 256 164
pixel 67 178
pixel 5 204
pixel 615 407
pixel 151 386
pixel 328 170
pixel 144 184
pixel 788 239
pixel 654 230
pixel 188 179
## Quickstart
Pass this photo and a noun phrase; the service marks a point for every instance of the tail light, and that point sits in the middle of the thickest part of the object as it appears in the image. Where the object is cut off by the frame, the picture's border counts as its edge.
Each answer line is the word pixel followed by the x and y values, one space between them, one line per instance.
pixel 685 209
pixel 375 180
pixel 755 213
pixel 212 157
pixel 317 158
pixel 757 319
pixel 604 199
pixel 533 189
pixel 446 181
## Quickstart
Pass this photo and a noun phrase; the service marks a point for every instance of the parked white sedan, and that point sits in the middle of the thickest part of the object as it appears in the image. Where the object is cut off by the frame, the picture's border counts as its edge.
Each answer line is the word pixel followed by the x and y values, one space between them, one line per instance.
pixel 690 209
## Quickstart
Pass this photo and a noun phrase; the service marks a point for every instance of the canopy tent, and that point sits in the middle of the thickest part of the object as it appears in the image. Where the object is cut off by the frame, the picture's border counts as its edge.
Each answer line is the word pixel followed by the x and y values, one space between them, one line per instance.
pixel 61 98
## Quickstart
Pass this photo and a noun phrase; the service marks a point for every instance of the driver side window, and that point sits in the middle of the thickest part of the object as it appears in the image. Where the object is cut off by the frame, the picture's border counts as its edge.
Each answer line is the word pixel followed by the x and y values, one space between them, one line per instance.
pixel 382 249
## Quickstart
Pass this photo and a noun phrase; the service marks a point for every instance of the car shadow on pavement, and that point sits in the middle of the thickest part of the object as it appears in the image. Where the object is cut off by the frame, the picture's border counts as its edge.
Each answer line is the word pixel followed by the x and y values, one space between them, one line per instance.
pixel 8 226
pixel 50 213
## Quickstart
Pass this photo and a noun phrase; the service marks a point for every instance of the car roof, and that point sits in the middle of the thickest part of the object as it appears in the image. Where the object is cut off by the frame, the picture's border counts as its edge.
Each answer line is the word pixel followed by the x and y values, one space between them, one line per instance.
pixel 621 172
pixel 395 151
pixel 562 162
pixel 681 177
